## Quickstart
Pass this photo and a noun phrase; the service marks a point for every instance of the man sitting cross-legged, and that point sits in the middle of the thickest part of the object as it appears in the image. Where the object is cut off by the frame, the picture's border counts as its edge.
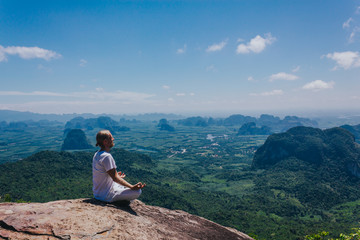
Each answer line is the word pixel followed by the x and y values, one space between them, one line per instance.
pixel 108 184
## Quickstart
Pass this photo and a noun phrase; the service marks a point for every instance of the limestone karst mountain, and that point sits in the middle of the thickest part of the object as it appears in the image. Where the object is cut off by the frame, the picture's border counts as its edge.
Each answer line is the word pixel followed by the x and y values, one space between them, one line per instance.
pixel 76 139
pixel 165 126
pixel 321 168
pixel 251 129
pixel 92 219
pixel 331 147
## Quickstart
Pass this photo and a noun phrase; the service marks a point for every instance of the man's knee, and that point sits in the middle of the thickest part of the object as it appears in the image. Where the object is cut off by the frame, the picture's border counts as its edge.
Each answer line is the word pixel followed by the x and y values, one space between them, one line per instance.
pixel 132 194
pixel 138 193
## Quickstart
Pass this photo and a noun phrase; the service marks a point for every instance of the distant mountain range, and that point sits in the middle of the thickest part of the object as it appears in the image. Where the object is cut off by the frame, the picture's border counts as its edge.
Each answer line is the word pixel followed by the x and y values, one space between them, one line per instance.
pixel 91 123
pixel 9 116
pixel 269 123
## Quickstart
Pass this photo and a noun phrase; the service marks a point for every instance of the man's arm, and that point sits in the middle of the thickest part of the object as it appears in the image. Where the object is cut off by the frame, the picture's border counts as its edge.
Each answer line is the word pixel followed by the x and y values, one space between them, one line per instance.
pixel 118 179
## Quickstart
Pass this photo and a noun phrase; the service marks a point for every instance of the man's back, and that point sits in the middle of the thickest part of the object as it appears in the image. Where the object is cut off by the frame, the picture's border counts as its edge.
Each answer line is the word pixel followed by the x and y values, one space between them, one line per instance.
pixel 102 182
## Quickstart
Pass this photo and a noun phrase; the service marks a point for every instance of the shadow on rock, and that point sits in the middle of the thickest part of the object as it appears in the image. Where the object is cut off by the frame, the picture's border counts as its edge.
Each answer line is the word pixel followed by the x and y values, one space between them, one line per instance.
pixel 122 205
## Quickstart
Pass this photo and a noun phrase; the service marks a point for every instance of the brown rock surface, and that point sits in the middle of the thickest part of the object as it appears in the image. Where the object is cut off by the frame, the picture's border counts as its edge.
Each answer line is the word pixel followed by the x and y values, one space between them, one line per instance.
pixel 92 219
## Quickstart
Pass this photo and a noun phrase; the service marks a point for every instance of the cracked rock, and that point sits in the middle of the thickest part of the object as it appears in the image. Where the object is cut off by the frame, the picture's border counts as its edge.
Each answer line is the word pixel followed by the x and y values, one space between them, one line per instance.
pixel 92 219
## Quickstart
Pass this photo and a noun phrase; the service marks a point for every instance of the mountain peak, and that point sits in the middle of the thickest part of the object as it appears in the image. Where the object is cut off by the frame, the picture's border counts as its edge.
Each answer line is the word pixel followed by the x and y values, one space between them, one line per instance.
pixel 335 146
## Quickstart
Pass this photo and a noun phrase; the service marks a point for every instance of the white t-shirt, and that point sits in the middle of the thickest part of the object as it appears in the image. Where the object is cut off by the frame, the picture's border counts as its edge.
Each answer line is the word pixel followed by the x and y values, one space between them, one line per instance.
pixel 102 182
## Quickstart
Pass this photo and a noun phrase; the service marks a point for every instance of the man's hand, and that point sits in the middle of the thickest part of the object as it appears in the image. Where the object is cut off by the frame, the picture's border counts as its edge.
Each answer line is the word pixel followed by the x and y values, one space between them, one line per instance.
pixel 122 175
pixel 137 186
pixel 119 178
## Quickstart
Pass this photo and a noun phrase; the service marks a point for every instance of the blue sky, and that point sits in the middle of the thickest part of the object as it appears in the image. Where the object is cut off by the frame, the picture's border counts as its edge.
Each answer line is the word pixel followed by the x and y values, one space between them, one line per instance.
pixel 195 57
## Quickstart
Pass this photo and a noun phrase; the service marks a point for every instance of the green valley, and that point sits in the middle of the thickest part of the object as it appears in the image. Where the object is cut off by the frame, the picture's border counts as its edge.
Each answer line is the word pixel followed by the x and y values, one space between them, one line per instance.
pixel 209 171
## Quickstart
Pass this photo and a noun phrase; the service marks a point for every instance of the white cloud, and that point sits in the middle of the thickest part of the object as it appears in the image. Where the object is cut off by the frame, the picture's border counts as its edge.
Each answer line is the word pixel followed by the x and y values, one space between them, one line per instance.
pixel 2 54
pixel 345 60
pixel 181 94
pixel 35 93
pixel 296 69
pixel 192 94
pixel 181 50
pixel 251 79
pixel 318 85
pixel 272 93
pixel 353 33
pixel 217 46
pixel 211 68
pixel 256 45
pixel 166 87
pixel 171 100
pixel 27 53
pixel 283 76
pixel 347 23
pixel 357 10
pixel 99 94
pixel 42 67
pixel 352 26
pixel 83 62
pixel 117 95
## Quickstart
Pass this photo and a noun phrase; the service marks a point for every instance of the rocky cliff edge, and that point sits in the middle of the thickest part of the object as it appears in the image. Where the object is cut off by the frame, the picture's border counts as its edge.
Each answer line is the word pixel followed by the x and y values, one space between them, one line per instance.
pixel 92 219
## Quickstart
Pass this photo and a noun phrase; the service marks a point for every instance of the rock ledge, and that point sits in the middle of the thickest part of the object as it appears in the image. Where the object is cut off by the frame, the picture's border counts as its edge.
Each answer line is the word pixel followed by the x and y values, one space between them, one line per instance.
pixel 92 219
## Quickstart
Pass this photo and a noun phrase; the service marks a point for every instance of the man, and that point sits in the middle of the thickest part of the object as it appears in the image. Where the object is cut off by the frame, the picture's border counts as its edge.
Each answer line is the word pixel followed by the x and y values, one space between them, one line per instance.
pixel 109 185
